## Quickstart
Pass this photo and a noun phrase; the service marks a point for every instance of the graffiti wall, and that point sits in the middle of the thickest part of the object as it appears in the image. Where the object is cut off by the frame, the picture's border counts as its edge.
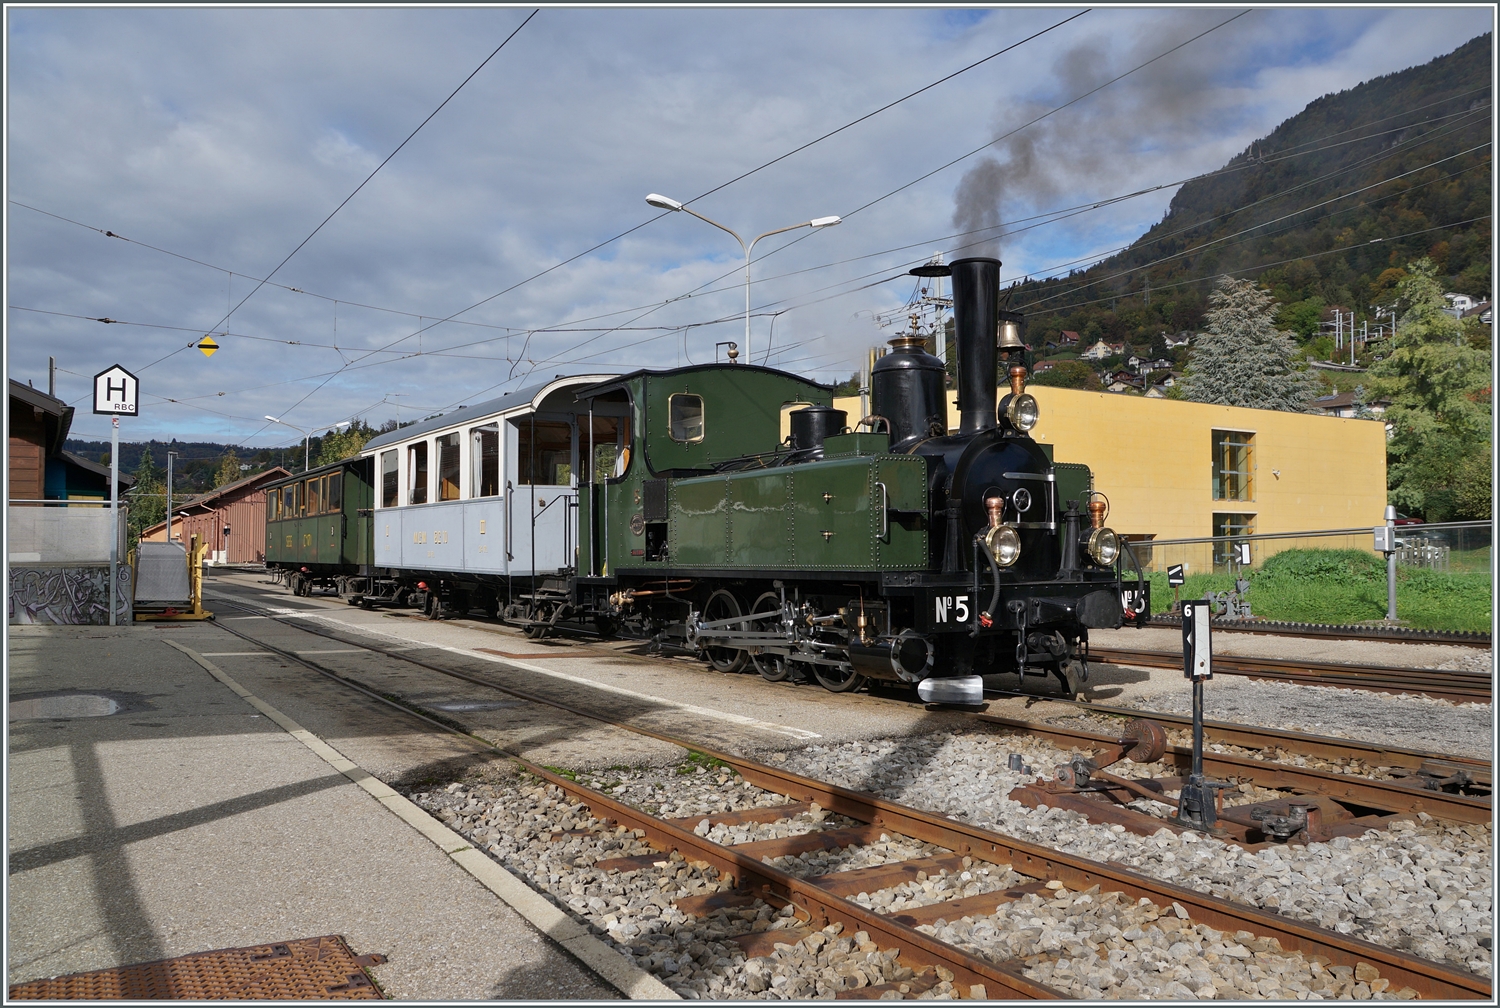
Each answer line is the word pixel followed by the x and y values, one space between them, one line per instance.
pixel 68 595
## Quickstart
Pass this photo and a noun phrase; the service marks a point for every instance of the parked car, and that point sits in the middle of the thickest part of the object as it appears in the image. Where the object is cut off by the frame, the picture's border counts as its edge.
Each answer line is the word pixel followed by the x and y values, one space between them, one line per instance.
pixel 1402 519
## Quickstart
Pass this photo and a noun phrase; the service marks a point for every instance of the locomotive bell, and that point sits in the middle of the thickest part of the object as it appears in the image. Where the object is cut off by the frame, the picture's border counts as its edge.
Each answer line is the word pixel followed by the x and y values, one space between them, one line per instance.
pixel 1010 336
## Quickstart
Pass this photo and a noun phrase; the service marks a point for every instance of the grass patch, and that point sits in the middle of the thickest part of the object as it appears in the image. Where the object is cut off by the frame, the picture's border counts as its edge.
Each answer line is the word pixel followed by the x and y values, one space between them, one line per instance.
pixel 1349 586
pixel 697 759
pixel 571 775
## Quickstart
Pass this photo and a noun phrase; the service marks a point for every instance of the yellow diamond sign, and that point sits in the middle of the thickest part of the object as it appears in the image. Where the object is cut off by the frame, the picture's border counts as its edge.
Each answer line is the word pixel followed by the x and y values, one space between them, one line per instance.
pixel 208 346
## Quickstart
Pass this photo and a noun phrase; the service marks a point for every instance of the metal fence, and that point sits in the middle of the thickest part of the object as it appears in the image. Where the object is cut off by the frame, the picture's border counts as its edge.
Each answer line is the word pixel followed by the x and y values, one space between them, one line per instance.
pixel 1453 546
pixel 62 532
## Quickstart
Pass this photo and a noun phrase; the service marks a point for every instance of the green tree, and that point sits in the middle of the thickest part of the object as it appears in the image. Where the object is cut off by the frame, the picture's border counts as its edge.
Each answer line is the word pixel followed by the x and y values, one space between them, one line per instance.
pixel 1242 359
pixel 1074 374
pixel 147 499
pixel 228 471
pixel 1439 388
pixel 338 445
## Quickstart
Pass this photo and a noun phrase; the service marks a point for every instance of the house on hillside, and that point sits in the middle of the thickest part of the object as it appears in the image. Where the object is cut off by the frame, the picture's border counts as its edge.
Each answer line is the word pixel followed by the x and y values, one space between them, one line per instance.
pixel 230 520
pixel 1123 381
pixel 1042 366
pixel 1459 302
pixel 1342 405
pixel 1481 310
pixel 1101 350
pixel 1068 339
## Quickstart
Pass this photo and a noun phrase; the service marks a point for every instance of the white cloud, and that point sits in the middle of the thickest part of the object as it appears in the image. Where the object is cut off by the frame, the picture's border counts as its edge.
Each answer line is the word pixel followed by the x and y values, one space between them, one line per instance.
pixel 226 135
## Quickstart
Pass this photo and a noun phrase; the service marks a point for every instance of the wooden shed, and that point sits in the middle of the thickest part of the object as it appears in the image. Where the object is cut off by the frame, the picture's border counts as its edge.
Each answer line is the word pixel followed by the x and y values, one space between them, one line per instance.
pixel 230 520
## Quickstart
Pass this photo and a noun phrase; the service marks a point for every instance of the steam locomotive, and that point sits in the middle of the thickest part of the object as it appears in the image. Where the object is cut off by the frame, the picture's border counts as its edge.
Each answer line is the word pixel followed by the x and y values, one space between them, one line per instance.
pixel 666 504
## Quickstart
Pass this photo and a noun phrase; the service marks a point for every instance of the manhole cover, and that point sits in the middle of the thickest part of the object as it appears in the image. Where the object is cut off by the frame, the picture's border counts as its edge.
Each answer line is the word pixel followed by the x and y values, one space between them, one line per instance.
pixel 304 969
pixel 68 705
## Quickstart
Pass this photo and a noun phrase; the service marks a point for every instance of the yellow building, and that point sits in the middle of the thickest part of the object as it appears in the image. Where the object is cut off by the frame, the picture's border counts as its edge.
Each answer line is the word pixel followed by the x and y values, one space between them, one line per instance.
pixel 1180 470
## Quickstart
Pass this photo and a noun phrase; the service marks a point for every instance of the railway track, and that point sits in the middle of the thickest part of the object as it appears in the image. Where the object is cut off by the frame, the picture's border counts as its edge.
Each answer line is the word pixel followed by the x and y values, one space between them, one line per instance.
pixel 823 900
pixel 1341 631
pixel 1468 687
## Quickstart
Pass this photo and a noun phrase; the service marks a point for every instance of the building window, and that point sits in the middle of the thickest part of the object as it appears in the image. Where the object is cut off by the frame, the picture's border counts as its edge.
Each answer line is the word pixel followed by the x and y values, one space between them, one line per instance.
pixel 486 461
pixel 1233 465
pixel 544 453
pixel 416 472
pixel 1227 527
pixel 686 416
pixel 449 460
pixel 388 473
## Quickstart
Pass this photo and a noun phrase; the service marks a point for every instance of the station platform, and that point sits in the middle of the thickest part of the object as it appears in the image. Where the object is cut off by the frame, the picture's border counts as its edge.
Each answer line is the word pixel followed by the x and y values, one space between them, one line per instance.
pixel 155 812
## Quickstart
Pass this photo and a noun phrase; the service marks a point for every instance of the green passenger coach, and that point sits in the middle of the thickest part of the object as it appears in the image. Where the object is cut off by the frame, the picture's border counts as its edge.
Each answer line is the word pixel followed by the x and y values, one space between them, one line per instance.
pixel 318 528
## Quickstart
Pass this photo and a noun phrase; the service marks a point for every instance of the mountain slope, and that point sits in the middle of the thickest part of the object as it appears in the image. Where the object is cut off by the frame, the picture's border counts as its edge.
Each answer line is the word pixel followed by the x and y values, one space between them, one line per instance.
pixel 1406 154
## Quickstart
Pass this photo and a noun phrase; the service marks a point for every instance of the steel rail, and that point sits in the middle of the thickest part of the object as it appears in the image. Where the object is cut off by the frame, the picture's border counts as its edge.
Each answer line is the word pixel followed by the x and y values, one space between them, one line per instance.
pixel 1430 979
pixel 1390 796
pixel 1472 687
pixel 747 872
pixel 1341 631
pixel 1256 737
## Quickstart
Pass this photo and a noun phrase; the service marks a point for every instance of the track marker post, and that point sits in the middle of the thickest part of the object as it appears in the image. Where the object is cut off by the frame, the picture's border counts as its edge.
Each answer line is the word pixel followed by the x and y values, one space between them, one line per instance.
pixel 1198 802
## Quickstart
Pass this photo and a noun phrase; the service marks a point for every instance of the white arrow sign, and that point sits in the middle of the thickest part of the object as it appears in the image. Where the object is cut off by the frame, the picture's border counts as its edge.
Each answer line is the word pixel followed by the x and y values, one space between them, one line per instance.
pixel 116 392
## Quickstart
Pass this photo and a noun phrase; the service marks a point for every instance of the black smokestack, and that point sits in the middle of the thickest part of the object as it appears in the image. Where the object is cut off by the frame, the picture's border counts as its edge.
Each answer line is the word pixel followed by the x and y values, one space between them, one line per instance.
pixel 976 306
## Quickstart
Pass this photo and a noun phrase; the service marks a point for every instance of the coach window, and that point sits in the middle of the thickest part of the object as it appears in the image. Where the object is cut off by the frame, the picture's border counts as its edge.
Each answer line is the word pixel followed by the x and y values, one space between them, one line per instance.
pixel 299 499
pixel 448 465
pixel 416 472
pixel 314 496
pixel 1233 465
pixel 686 414
pixel 486 473
pixel 273 505
pixel 335 496
pixel 544 453
pixel 388 473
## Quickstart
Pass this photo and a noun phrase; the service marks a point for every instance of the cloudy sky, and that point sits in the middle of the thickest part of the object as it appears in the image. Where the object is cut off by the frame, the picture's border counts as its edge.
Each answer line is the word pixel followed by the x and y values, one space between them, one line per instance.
pixel 213 142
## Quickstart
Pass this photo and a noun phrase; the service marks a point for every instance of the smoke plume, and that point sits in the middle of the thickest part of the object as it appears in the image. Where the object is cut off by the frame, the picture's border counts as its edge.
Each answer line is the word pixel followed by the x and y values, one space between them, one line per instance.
pixel 1108 141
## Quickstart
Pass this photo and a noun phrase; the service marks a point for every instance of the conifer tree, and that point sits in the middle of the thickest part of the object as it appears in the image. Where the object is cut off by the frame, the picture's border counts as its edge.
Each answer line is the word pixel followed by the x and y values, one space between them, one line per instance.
pixel 1439 388
pixel 1242 359
pixel 147 500
pixel 228 471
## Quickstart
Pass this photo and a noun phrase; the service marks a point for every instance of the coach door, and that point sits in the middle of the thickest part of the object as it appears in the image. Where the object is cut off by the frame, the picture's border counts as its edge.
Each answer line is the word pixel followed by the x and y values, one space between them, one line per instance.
pixel 541 494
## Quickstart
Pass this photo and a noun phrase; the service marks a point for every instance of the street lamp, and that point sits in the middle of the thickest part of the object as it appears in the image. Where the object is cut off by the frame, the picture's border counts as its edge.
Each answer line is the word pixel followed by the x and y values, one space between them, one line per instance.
pixel 305 437
pixel 667 203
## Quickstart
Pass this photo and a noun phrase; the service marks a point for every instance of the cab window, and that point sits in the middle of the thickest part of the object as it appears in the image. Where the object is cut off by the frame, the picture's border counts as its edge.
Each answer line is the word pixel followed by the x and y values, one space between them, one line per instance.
pixel 685 413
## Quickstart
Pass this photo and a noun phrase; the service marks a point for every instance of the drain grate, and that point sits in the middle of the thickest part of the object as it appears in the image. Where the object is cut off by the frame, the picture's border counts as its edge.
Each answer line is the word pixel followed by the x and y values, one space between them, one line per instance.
pixel 304 969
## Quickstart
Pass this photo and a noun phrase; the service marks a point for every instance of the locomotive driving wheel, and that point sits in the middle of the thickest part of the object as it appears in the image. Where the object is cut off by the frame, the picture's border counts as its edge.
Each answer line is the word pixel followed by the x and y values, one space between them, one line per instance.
pixel 722 605
pixel 837 680
pixel 772 667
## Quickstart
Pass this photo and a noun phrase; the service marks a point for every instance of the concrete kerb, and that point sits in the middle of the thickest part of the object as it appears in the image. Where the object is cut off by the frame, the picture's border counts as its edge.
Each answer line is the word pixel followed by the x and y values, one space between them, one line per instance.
pixel 630 980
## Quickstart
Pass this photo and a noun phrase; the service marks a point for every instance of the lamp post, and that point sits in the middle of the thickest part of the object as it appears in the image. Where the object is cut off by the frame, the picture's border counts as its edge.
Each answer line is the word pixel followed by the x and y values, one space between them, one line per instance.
pixel 306 437
pixel 666 203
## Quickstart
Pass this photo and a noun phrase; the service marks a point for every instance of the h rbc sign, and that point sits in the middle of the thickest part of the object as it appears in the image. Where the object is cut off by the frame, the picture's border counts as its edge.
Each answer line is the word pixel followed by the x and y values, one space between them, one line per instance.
pixel 116 392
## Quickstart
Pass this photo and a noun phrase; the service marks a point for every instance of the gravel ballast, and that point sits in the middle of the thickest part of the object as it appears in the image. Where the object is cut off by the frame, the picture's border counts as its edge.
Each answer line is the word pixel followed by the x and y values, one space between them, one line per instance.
pixel 1091 945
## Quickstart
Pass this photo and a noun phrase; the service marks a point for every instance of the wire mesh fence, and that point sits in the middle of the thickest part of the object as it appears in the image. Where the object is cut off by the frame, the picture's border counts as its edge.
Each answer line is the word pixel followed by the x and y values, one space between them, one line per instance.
pixel 1455 546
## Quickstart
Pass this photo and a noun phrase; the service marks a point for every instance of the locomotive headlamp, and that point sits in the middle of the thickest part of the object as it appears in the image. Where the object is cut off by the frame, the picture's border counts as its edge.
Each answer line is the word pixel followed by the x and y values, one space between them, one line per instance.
pixel 1021 411
pixel 1004 544
pixel 1102 546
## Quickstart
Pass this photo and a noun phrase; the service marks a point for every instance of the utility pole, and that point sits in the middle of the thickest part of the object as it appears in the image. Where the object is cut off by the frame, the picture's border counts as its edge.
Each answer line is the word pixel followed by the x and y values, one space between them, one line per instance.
pixel 171 456
pixel 52 377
